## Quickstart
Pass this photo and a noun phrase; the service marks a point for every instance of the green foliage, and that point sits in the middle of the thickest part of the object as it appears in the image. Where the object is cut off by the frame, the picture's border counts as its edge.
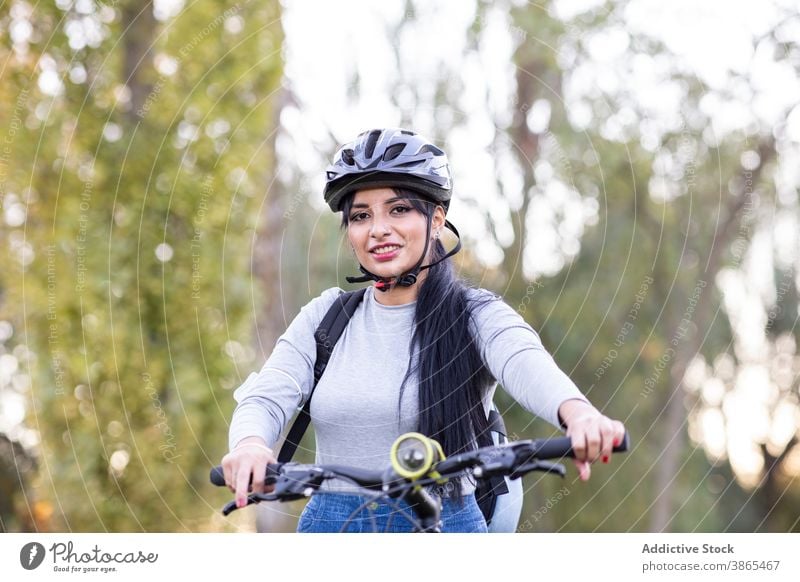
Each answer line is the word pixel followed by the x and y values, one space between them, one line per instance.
pixel 141 186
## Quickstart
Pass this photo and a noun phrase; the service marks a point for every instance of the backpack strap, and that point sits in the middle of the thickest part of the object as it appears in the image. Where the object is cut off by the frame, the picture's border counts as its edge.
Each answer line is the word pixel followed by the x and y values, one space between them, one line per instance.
pixel 487 490
pixel 328 333
pixel 497 425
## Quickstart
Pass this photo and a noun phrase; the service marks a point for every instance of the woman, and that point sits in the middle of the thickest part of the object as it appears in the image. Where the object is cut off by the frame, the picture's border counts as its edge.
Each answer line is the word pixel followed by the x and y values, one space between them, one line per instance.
pixel 421 353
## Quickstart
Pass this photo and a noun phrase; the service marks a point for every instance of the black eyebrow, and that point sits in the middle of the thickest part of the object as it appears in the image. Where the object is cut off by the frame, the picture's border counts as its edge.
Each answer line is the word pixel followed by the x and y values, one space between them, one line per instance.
pixel 390 201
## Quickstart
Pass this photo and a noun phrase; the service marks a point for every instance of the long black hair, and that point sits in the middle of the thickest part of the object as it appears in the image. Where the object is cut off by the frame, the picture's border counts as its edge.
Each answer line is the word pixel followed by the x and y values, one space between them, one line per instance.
pixel 451 374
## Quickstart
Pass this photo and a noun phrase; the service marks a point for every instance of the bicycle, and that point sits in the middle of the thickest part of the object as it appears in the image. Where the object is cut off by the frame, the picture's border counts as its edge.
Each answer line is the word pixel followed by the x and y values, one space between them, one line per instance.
pixel 417 464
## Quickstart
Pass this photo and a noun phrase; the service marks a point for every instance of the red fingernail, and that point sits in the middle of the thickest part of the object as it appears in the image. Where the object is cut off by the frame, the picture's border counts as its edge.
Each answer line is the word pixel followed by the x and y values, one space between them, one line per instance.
pixel 617 442
pixel 605 458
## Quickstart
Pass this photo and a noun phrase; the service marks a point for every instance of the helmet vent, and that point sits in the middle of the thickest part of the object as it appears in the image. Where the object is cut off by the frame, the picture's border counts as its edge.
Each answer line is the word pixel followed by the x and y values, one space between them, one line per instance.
pixel 347 157
pixel 430 148
pixel 393 151
pixel 372 139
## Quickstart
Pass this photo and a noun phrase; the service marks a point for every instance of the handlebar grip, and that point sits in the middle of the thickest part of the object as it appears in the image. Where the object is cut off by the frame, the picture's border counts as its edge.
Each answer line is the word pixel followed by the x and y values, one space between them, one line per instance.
pixel 624 445
pixel 562 447
pixel 217 476
pixel 555 448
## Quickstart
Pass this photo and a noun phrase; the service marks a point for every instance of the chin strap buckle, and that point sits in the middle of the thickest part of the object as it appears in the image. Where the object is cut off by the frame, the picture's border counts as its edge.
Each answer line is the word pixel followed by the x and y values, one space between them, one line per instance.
pixel 407 280
pixel 381 284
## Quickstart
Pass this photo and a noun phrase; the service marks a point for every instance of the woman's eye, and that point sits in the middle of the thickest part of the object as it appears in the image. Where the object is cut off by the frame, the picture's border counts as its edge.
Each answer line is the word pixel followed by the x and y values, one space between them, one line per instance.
pixel 358 217
pixel 400 209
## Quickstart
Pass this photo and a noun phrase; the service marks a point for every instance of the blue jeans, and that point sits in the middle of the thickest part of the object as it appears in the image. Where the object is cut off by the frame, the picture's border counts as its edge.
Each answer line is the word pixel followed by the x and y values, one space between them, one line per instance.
pixel 327 513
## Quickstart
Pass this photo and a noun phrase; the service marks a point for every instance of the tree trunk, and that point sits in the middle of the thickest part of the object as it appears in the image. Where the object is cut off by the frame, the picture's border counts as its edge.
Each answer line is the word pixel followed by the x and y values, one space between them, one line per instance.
pixel 673 435
pixel 771 491
pixel 266 268
pixel 526 144
pixel 140 26
pixel 267 253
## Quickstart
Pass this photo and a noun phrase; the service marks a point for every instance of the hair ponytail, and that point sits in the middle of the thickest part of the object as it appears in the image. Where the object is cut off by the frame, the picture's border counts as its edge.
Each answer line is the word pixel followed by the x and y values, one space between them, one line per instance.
pixel 451 375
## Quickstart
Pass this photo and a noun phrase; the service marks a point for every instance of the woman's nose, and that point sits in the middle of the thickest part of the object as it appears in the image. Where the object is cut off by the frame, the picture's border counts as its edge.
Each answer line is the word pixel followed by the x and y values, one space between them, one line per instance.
pixel 379 227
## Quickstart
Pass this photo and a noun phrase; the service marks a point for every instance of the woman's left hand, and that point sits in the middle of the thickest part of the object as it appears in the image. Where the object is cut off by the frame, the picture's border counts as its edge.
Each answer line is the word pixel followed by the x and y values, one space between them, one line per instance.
pixel 593 434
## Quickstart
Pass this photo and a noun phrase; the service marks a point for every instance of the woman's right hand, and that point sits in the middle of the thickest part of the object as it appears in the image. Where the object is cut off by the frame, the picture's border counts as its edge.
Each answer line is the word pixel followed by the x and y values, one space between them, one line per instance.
pixel 249 457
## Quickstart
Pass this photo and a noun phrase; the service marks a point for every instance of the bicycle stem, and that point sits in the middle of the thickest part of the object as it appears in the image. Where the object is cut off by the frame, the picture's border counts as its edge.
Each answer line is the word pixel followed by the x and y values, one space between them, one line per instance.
pixel 426 508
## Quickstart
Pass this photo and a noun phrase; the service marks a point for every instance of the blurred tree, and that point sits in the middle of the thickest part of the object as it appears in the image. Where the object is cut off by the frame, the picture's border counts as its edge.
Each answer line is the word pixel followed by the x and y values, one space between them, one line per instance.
pixel 675 205
pixel 136 169
pixel 577 190
pixel 18 511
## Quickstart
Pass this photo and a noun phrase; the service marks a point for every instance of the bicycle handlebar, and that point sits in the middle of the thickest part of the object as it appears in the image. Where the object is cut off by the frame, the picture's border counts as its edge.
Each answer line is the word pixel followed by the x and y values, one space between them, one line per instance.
pixel 513 459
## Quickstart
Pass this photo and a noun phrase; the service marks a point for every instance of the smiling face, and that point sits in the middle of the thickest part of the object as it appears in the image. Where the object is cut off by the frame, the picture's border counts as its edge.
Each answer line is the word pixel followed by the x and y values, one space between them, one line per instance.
pixel 387 232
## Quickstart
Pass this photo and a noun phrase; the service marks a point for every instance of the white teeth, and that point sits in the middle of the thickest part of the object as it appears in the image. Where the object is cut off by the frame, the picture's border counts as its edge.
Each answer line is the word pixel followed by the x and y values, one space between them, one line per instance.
pixel 383 250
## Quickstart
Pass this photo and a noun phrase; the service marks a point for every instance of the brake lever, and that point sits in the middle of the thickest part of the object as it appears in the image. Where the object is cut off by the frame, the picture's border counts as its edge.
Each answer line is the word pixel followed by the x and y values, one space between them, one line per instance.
pixel 537 465
pixel 229 508
pixel 286 489
pixel 252 499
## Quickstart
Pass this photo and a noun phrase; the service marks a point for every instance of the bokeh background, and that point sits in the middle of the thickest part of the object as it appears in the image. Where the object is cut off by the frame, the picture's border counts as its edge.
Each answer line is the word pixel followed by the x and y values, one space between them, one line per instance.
pixel 626 176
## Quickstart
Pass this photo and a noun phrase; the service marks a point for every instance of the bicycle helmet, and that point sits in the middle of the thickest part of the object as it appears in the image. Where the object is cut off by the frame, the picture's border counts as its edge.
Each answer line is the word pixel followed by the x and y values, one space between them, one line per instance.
pixel 392 158
pixel 386 158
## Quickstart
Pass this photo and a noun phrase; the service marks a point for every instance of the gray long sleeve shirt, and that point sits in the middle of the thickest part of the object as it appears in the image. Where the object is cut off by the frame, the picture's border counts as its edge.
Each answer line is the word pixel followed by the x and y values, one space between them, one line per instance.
pixel 355 405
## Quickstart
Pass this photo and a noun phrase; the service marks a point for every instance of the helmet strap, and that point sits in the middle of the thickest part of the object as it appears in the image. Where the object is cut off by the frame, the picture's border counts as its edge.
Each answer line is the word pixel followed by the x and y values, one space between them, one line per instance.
pixel 408 278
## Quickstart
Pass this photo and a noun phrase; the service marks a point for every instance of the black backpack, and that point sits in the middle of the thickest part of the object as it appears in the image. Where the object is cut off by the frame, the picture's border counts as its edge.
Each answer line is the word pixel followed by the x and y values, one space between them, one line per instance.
pixel 328 333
